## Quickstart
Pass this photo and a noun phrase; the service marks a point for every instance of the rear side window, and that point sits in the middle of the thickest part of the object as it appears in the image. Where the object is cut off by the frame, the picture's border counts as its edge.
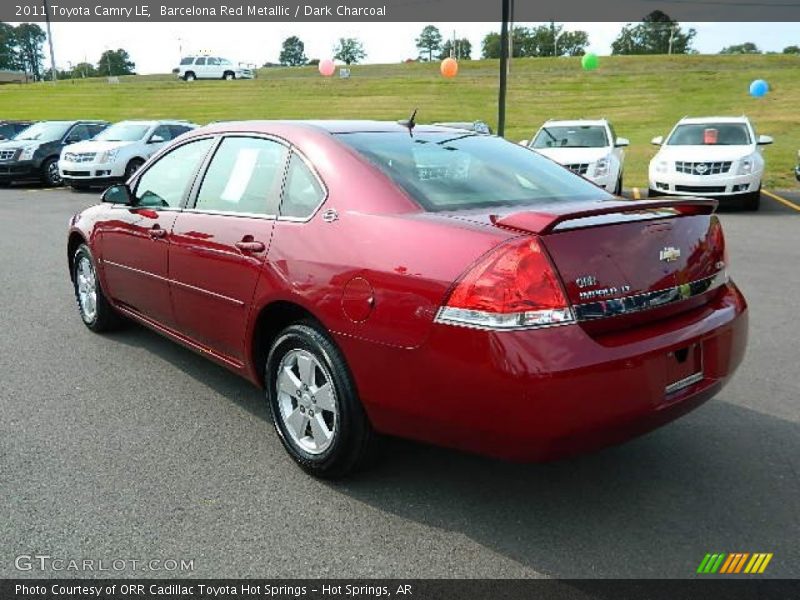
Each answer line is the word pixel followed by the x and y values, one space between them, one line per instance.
pixel 454 171
pixel 200 61
pixel 187 61
pixel 303 192
pixel 244 176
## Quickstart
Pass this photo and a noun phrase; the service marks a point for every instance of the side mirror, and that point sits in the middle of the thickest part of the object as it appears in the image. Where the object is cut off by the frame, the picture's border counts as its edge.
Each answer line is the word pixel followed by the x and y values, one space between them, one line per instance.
pixel 622 142
pixel 73 139
pixel 764 140
pixel 156 139
pixel 657 141
pixel 118 194
pixel 524 143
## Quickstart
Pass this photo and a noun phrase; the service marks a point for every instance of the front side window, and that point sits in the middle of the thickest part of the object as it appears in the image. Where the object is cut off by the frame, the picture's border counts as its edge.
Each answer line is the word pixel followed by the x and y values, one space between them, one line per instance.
pixel 244 176
pixel 213 61
pixel 162 133
pixel 79 133
pixel 303 193
pixel 444 171
pixel 165 183
pixel 578 136
pixel 710 134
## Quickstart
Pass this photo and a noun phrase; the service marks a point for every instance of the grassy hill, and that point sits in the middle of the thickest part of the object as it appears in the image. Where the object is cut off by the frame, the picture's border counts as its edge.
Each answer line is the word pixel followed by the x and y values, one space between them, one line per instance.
pixel 642 95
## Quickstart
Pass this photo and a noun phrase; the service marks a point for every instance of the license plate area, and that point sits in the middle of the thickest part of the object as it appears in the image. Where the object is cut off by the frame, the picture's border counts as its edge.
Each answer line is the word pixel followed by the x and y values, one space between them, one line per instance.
pixel 684 368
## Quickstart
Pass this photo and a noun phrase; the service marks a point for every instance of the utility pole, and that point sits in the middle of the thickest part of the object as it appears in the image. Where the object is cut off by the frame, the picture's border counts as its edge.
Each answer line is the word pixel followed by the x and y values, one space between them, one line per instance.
pixel 50 42
pixel 504 46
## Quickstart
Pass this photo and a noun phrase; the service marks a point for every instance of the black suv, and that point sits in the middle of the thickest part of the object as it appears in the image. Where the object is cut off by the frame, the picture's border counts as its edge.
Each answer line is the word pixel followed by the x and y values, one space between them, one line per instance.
pixel 10 129
pixel 33 154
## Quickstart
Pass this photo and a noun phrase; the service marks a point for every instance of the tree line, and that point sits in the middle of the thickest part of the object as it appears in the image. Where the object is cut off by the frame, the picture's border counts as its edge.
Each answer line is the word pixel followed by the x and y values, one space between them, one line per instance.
pixel 21 49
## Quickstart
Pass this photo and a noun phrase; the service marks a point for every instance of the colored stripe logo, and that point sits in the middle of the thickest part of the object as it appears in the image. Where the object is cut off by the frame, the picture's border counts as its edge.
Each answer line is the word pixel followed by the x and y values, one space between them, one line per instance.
pixel 734 563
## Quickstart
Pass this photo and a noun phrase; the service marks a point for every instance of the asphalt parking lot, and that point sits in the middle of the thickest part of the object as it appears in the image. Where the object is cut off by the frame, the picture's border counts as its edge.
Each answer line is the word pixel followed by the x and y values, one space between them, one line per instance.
pixel 128 446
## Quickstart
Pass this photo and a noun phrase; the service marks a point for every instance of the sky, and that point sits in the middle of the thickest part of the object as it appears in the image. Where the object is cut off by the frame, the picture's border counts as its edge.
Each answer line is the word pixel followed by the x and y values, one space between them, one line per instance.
pixel 157 47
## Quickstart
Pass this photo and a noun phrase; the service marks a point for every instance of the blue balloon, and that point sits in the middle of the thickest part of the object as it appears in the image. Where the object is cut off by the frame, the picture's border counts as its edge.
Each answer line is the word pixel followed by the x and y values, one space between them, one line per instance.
pixel 759 88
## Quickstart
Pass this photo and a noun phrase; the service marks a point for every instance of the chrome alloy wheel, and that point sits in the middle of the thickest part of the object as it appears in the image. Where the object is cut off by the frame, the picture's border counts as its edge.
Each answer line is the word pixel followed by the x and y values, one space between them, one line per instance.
pixel 307 401
pixel 87 288
pixel 53 176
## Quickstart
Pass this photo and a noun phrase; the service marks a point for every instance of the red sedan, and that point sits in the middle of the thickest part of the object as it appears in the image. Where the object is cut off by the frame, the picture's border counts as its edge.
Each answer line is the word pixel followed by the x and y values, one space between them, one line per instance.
pixel 423 282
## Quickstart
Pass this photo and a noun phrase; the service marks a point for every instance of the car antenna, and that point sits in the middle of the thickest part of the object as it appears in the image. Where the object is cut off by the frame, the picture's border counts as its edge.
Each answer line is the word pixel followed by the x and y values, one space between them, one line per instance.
pixel 410 123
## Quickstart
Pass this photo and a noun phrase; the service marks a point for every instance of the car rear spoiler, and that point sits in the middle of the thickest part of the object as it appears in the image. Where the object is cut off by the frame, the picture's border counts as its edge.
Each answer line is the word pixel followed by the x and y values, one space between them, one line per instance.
pixel 542 222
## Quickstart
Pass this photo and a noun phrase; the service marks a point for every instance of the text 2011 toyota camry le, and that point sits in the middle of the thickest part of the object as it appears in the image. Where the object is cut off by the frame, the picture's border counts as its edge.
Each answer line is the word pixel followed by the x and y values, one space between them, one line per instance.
pixel 423 282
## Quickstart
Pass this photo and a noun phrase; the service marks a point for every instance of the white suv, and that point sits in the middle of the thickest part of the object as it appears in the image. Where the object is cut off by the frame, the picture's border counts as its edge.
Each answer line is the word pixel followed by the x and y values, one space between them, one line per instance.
pixel 211 67
pixel 117 152
pixel 589 148
pixel 712 157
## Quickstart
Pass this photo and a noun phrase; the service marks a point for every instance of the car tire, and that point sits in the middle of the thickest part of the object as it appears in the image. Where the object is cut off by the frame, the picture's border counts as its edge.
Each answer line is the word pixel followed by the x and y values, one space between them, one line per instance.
pixel 189 76
pixel 752 201
pixel 95 310
pixel 618 189
pixel 305 372
pixel 50 174
pixel 134 165
pixel 228 76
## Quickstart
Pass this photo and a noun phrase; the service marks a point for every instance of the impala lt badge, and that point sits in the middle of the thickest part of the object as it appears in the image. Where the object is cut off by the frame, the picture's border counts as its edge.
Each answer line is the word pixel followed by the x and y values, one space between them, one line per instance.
pixel 669 254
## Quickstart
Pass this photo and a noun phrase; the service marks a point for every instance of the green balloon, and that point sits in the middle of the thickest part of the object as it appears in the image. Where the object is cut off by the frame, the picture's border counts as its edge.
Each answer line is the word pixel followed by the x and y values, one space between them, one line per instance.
pixel 589 62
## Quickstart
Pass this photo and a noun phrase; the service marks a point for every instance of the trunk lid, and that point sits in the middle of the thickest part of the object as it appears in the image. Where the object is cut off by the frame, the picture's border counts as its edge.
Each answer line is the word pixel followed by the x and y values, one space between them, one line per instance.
pixel 624 259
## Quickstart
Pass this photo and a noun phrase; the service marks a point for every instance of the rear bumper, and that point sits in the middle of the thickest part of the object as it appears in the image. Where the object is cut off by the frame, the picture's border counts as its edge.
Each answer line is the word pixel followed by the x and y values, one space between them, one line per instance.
pixel 548 393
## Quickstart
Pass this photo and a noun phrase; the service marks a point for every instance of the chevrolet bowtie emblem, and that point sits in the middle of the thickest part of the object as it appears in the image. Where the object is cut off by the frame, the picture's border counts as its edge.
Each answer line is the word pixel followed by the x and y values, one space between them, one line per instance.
pixel 669 254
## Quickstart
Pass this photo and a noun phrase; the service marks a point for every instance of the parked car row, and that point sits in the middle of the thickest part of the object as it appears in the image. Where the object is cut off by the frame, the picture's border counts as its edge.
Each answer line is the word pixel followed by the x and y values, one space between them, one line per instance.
pixel 716 157
pixel 82 153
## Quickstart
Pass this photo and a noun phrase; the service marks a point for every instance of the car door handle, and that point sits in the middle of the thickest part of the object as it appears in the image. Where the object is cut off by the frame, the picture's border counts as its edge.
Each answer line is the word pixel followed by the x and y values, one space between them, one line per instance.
pixel 157 233
pixel 250 246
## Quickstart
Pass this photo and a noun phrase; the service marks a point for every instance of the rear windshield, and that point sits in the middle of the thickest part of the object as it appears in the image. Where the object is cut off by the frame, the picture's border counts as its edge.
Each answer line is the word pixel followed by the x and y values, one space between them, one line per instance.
pixel 452 171
pixel 710 134
pixel 576 136
pixel 123 132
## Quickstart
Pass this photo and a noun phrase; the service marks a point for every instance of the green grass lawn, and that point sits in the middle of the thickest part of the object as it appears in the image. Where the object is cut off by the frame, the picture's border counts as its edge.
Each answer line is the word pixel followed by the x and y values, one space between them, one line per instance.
pixel 643 96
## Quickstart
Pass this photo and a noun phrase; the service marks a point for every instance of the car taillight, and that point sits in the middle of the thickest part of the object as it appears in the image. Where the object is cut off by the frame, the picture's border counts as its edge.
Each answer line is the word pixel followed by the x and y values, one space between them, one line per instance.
pixel 716 239
pixel 514 286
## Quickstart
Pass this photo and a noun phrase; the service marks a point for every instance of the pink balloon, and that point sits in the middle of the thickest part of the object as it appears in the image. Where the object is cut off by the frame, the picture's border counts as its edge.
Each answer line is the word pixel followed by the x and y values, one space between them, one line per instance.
pixel 326 67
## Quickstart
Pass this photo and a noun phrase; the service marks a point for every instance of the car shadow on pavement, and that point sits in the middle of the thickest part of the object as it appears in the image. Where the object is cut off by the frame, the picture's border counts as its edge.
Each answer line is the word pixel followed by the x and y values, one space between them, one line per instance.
pixel 722 479
pixel 221 380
